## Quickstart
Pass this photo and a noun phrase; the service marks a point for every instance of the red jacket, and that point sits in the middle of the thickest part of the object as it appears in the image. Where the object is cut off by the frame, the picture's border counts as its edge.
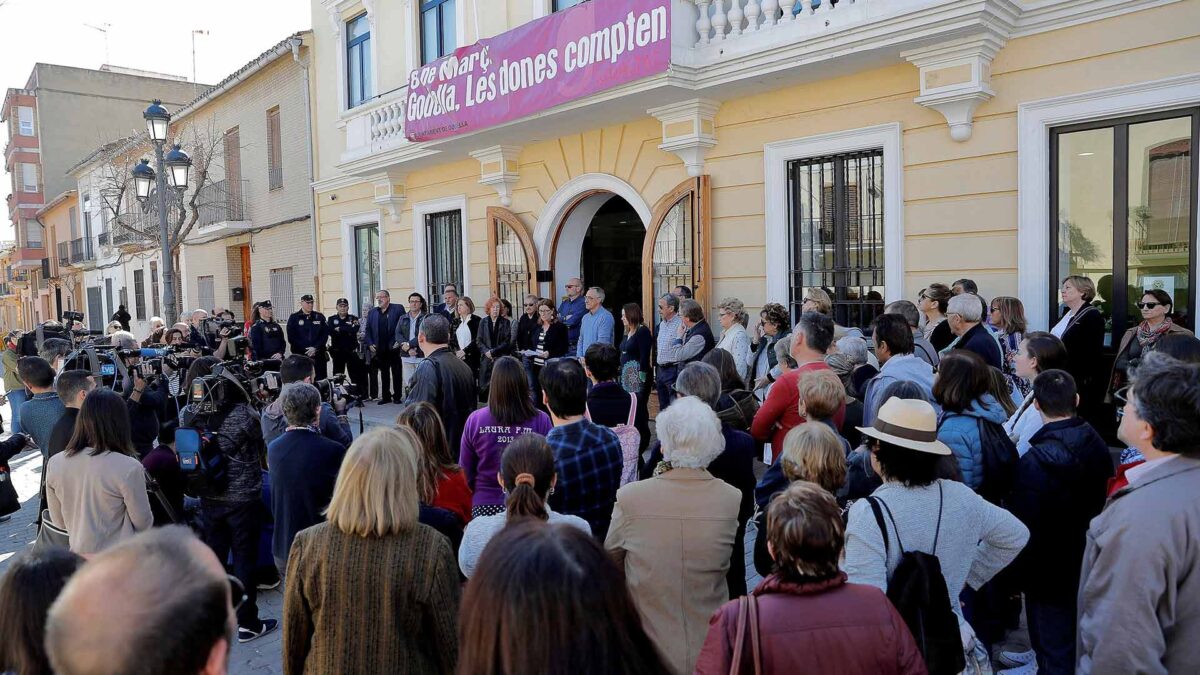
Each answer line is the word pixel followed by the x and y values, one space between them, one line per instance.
pixel 823 627
pixel 780 413
pixel 454 495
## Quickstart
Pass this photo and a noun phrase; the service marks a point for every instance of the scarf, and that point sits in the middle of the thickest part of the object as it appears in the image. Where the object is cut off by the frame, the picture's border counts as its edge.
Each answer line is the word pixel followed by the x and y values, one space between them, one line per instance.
pixel 1147 336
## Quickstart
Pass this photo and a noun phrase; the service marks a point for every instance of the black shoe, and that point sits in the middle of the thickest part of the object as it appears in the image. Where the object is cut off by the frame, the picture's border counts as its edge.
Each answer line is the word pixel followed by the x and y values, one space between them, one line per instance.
pixel 251 634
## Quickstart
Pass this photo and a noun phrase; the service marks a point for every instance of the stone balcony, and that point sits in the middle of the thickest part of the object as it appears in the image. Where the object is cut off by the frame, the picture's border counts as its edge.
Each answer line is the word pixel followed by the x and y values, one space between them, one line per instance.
pixel 727 49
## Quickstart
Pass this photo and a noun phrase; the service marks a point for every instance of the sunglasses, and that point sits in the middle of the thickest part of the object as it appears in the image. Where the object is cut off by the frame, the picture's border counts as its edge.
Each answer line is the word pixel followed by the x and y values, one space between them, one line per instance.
pixel 237 592
pixel 995 309
pixel 1149 305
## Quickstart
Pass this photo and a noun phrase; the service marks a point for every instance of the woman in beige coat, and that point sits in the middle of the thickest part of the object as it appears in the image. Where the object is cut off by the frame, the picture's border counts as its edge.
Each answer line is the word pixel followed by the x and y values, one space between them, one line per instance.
pixel 673 534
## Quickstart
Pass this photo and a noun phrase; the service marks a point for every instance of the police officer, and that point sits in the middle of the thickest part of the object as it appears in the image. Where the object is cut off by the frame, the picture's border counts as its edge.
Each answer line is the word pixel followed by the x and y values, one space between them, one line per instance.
pixel 308 334
pixel 266 336
pixel 343 345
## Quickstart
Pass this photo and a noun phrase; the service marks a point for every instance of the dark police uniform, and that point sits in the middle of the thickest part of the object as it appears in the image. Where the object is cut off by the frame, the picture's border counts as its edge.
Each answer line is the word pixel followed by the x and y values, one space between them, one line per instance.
pixel 310 330
pixel 343 349
pixel 266 339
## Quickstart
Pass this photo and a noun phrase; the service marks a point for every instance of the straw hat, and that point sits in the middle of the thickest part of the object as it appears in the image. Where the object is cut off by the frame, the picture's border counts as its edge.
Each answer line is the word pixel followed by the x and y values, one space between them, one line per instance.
pixel 908 423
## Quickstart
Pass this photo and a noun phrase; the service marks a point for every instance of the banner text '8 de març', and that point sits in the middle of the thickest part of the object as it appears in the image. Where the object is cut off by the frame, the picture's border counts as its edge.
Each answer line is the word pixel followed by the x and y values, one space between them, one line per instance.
pixel 562 57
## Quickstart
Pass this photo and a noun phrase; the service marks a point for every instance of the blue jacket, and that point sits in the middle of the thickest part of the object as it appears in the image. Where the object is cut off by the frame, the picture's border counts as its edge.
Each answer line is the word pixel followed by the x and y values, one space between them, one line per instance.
pixel 378 332
pixel 570 313
pixel 901 368
pixel 981 341
pixel 308 330
pixel 266 339
pixel 960 431
pixel 304 467
pixel 1060 486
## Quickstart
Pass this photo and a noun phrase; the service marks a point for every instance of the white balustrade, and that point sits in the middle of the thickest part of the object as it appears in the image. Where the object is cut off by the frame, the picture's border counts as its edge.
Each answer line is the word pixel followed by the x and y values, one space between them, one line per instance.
pixel 745 17
pixel 387 122
pixel 376 126
pixel 719 20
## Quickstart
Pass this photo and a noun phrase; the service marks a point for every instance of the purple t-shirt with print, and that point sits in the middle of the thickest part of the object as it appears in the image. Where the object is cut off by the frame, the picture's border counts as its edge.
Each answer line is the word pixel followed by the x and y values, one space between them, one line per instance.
pixel 483 442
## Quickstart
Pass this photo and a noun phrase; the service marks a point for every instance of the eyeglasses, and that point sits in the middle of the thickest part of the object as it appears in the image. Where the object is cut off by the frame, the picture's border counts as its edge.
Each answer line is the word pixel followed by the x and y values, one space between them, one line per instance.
pixel 995 309
pixel 237 592
pixel 1149 305
pixel 529 304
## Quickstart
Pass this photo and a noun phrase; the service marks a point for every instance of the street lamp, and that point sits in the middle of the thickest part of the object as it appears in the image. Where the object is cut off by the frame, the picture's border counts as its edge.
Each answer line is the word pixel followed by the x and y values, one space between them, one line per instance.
pixel 178 164
pixel 157 125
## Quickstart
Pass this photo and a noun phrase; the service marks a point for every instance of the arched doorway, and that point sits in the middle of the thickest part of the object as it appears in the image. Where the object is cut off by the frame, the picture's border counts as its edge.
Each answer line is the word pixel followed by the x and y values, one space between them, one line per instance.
pixel 611 254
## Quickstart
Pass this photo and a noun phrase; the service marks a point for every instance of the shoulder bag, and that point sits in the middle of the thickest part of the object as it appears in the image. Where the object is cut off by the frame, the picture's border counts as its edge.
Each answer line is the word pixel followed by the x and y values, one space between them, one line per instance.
pixel 747 614
pixel 51 535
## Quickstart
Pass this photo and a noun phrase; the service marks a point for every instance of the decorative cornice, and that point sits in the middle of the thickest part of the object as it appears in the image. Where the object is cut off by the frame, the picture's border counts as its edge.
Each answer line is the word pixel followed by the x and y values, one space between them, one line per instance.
pixel 498 168
pixel 956 78
pixel 688 130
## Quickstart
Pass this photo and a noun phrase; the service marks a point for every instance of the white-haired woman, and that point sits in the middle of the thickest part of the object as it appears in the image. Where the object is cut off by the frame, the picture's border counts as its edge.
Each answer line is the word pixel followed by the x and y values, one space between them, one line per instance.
pixel 734 338
pixel 681 514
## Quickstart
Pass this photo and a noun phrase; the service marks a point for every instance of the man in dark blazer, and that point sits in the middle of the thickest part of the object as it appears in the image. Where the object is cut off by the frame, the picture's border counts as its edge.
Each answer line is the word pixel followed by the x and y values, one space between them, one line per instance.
pixel 449 305
pixel 379 337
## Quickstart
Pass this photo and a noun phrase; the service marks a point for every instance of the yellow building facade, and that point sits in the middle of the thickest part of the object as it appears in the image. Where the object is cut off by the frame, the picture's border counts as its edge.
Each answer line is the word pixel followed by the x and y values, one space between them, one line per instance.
pixel 869 148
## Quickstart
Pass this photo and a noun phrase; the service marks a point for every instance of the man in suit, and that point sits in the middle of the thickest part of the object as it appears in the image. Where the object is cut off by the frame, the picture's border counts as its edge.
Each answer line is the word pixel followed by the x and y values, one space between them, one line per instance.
pixel 308 334
pixel 449 305
pixel 379 336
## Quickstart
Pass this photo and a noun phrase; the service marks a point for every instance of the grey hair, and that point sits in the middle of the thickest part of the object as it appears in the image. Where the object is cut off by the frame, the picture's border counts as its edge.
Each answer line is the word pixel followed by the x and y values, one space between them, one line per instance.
pixel 300 401
pixel 53 348
pixel 599 292
pixel 690 434
pixel 906 309
pixel 967 306
pixel 855 349
pixel 737 308
pixel 123 340
pixel 700 380
pixel 671 300
pixel 199 311
pixel 783 348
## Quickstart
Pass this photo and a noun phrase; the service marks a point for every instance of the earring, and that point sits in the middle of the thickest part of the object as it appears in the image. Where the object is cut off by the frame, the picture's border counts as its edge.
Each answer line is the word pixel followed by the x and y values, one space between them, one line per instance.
pixel 551 491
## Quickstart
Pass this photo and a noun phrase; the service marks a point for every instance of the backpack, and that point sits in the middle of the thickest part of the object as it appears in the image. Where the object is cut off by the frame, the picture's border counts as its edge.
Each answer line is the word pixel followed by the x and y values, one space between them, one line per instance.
pixel 918 591
pixel 999 462
pixel 631 442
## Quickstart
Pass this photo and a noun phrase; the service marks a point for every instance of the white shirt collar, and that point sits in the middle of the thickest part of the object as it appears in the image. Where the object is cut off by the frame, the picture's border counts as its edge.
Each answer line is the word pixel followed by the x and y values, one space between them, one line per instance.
pixel 1135 474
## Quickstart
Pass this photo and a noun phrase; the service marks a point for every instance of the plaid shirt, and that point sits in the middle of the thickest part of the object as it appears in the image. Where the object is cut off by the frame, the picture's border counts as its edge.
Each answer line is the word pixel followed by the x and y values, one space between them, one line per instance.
pixel 588 462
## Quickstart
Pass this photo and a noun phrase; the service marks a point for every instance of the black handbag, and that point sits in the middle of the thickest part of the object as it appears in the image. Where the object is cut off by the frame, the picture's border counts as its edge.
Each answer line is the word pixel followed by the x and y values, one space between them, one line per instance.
pixel 9 501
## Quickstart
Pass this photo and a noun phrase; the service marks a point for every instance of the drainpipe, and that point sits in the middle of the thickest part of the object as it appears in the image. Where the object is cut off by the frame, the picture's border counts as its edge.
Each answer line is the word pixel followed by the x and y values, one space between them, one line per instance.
pixel 295 44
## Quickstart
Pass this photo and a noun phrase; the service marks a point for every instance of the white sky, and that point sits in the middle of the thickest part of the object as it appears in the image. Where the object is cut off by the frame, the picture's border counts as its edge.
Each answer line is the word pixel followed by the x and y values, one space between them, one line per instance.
pixel 149 34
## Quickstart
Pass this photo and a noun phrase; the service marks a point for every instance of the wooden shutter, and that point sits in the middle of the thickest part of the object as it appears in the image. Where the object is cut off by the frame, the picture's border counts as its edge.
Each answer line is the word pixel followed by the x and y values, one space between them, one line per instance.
pixel 274 150
pixel 233 156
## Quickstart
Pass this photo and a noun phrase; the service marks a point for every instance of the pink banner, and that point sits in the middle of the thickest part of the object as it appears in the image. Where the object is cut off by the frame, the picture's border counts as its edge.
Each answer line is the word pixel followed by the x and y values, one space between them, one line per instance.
pixel 567 55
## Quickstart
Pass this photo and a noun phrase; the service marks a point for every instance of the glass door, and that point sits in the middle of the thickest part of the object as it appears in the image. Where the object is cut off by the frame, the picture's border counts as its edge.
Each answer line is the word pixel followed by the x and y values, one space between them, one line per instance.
pixel 675 252
pixel 1123 213
pixel 366 265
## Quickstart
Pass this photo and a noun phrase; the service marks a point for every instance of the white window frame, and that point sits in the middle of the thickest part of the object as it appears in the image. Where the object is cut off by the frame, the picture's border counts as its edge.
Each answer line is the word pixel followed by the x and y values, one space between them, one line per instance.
pixel 21 123
pixel 420 254
pixel 1034 121
pixel 776 157
pixel 26 187
pixel 337 9
pixel 349 223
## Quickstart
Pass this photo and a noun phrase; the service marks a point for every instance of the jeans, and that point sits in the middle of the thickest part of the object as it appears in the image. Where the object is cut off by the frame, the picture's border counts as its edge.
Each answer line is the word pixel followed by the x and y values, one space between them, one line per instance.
pixel 663 384
pixel 16 398
pixel 1052 635
pixel 236 527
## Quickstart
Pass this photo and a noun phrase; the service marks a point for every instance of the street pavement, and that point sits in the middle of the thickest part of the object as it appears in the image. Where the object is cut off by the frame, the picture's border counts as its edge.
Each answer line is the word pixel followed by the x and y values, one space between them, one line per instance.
pixel 261 657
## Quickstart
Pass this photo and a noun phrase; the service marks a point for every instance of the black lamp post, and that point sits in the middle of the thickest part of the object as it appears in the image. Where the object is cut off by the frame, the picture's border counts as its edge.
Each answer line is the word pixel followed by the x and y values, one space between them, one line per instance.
pixel 172 170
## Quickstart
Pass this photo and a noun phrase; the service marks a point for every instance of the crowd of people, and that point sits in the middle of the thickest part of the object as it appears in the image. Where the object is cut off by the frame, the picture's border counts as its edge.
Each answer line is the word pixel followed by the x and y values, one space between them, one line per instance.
pixel 573 489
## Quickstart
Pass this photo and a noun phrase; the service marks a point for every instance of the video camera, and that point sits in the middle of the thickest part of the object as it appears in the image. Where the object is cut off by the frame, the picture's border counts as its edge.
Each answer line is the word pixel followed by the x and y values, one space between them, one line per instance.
pixel 213 325
pixel 336 387
pixel 72 317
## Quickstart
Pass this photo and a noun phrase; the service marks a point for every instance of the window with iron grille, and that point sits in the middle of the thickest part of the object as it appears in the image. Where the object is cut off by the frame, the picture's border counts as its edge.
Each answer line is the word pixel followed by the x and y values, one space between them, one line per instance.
pixel 282 296
pixel 154 288
pixel 836 236
pixel 274 151
pixel 139 295
pixel 443 251
pixel 205 294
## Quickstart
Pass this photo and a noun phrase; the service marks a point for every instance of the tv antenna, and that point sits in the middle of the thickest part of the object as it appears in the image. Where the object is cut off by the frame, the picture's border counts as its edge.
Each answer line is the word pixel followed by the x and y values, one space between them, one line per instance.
pixel 103 28
pixel 195 32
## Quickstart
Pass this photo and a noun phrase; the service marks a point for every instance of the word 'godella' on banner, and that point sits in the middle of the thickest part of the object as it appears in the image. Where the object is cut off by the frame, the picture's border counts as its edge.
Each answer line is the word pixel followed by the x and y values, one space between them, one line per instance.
pixel 605 44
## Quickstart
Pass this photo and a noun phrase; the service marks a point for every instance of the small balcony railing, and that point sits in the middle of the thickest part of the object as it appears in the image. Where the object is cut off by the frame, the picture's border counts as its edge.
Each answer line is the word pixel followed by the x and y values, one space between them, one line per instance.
pixel 222 202
pixel 82 250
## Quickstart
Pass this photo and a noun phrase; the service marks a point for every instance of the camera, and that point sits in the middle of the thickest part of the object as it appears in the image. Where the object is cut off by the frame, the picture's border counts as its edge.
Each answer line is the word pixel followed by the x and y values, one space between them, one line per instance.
pixel 72 317
pixel 213 325
pixel 337 387
pixel 150 368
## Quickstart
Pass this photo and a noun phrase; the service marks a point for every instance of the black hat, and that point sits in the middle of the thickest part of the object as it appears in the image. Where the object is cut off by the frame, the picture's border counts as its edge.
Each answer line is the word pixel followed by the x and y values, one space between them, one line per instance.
pixel 306 298
pixel 265 303
pixel 343 301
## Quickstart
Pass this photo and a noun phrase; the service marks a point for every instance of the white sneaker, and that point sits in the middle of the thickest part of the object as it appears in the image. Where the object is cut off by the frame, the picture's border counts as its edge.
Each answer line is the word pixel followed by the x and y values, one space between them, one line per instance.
pixel 1027 669
pixel 1016 659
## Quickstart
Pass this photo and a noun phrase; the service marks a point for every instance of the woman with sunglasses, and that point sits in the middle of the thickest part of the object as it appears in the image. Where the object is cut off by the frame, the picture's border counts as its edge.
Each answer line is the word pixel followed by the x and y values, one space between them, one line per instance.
pixel 1143 338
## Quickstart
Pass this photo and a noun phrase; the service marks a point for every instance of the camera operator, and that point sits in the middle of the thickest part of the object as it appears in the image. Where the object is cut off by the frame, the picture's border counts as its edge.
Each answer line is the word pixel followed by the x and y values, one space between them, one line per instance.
pixel 343 345
pixel 332 423
pixel 54 350
pixel 308 334
pixel 196 334
pixel 157 328
pixel 234 514
pixel 266 336
pixel 141 393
